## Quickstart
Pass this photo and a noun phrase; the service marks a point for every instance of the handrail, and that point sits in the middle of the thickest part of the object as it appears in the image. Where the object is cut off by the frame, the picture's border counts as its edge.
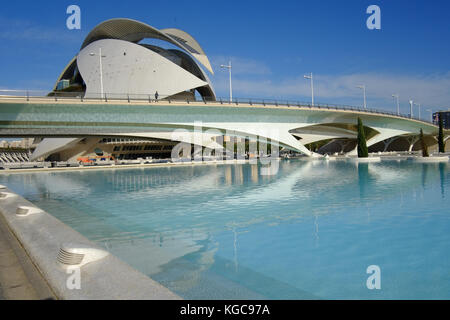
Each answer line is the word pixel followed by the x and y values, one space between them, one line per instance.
pixel 34 95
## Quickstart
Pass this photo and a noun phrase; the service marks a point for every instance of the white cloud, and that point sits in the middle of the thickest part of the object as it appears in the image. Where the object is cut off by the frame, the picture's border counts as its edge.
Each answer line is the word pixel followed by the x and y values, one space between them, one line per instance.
pixel 240 66
pixel 14 29
pixel 430 90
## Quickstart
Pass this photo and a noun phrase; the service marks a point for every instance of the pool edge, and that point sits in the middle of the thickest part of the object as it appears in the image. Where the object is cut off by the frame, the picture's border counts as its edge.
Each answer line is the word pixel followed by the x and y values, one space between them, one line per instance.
pixel 41 236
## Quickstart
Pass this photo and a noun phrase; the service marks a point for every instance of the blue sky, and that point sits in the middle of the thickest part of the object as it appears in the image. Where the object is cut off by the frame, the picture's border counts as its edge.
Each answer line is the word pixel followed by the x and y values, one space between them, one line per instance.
pixel 271 45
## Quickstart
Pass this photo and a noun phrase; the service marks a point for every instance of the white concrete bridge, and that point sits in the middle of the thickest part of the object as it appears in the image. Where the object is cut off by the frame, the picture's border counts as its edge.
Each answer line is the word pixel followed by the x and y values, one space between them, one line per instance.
pixel 65 121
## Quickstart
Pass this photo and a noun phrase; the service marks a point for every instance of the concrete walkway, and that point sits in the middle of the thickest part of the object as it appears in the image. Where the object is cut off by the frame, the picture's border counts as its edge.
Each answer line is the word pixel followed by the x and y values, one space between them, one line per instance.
pixel 19 278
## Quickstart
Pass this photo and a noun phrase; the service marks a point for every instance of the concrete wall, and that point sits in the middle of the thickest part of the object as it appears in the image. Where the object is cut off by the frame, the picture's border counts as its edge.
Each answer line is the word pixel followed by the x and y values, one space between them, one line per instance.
pixel 128 68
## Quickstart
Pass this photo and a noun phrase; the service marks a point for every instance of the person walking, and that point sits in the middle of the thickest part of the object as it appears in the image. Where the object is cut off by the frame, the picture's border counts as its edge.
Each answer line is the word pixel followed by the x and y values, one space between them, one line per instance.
pixel 156 95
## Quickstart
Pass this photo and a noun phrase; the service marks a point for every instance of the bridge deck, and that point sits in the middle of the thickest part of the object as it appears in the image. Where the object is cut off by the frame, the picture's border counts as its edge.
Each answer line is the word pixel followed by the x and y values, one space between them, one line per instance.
pixel 253 103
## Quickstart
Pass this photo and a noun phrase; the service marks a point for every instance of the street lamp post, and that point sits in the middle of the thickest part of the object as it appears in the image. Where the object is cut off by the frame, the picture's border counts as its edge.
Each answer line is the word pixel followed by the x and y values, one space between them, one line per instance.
pixel 310 77
pixel 431 114
pixel 100 56
pixel 418 104
pixel 229 70
pixel 398 103
pixel 411 108
pixel 363 87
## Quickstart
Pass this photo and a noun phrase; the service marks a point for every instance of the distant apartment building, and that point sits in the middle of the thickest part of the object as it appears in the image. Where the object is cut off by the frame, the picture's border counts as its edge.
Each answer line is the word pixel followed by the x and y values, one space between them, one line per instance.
pixel 445 118
pixel 25 143
pixel 16 151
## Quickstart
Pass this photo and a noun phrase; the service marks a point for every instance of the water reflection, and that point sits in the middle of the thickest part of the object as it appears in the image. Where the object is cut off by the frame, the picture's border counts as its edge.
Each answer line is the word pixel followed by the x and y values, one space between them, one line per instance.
pixel 179 218
pixel 316 230
pixel 211 197
pixel 442 177
pixel 424 174
pixel 235 249
pixel 363 179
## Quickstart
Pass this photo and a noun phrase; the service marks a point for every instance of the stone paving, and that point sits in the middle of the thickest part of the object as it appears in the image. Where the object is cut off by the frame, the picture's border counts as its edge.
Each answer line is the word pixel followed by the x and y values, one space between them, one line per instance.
pixel 19 280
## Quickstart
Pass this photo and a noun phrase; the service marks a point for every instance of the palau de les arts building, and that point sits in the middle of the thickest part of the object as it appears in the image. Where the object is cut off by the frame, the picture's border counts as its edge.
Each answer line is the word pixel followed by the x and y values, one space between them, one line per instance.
pixel 135 70
pixel 114 62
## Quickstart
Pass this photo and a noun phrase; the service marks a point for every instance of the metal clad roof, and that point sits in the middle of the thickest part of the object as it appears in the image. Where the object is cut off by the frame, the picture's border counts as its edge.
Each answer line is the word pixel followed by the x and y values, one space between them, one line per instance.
pixel 135 31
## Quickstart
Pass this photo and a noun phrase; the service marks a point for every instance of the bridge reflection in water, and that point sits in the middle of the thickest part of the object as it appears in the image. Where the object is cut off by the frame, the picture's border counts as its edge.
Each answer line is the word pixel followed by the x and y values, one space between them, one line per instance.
pixel 227 232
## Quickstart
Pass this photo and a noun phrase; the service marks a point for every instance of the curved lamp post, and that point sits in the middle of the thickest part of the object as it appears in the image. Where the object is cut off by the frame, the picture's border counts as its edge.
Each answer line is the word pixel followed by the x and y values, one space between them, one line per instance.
pixel 363 87
pixel 310 77
pixel 229 70
pixel 101 69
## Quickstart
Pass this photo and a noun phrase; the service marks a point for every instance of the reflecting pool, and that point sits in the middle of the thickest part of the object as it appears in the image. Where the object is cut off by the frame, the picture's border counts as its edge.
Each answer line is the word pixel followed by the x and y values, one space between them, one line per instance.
pixel 228 232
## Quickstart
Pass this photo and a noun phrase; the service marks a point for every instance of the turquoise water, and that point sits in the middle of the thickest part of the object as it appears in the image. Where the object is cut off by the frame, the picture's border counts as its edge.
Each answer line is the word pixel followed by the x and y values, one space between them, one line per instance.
pixel 228 232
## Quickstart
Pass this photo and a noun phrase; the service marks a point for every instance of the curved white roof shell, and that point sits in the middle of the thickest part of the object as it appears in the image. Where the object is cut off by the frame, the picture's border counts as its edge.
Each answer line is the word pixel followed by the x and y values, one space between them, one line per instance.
pixel 132 70
pixel 136 31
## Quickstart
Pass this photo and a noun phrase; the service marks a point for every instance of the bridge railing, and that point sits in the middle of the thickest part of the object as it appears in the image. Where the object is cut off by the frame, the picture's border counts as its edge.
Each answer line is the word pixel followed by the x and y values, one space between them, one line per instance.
pixel 35 95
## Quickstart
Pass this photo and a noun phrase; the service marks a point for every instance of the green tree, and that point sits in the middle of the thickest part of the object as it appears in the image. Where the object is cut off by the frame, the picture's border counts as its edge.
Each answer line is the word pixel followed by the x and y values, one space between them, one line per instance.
pixel 363 152
pixel 424 145
pixel 441 134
